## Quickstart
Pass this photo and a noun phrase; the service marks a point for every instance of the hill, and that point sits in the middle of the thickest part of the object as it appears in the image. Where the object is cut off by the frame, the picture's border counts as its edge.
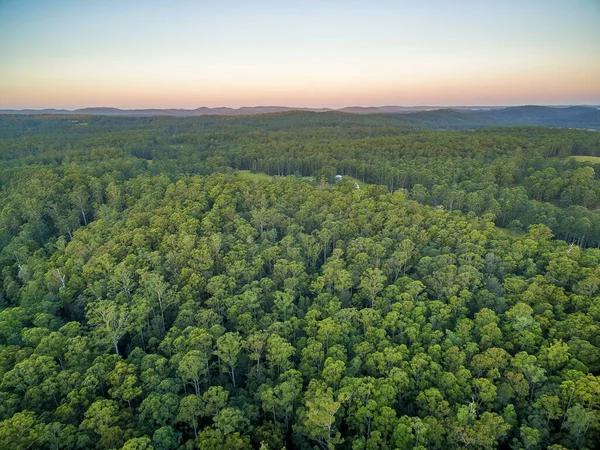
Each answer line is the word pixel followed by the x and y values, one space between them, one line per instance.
pixel 427 117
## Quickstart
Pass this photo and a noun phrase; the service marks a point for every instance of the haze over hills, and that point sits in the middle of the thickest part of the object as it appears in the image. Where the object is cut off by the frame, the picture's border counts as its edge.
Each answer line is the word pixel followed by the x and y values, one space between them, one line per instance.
pixel 202 111
pixel 248 110
pixel 456 117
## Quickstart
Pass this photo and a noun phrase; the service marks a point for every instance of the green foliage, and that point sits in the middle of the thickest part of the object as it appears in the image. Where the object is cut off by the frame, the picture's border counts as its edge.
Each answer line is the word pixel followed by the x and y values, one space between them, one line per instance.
pixel 152 306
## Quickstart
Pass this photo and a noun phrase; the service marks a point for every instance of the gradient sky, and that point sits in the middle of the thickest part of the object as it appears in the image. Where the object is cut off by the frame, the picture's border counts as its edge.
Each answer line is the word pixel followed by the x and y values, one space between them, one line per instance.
pixel 177 53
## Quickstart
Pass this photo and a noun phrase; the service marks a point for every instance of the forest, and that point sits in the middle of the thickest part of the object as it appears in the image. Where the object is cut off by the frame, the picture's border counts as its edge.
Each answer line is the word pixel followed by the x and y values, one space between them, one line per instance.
pixel 209 282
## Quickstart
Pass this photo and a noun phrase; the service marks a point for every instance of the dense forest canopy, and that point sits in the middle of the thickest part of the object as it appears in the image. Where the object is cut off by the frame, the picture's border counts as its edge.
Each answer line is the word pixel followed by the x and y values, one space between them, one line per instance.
pixel 520 176
pixel 154 296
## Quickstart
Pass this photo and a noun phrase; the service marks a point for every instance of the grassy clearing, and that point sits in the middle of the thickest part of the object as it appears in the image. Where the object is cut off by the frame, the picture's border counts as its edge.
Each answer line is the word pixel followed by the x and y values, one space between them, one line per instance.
pixel 509 232
pixel 259 176
pixel 591 159
pixel 357 181
pixel 255 176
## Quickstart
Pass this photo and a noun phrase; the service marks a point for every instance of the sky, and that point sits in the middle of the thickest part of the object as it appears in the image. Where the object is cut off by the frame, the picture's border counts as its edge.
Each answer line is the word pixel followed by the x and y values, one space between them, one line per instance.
pixel 328 53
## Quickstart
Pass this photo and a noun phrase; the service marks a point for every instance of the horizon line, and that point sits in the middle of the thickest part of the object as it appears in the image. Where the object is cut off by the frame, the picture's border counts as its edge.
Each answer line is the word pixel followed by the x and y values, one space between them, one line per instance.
pixel 235 108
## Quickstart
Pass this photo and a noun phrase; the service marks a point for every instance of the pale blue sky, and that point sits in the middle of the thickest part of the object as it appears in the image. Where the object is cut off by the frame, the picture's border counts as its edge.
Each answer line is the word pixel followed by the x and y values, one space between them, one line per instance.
pixel 134 53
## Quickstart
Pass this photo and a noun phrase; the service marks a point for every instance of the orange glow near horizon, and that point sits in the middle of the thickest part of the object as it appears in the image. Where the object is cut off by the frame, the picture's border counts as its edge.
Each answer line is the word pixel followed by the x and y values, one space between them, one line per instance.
pixel 500 90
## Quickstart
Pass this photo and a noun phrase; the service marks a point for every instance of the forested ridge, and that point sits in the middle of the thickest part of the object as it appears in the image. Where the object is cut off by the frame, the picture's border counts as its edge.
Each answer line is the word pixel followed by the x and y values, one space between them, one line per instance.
pixel 154 297
pixel 584 117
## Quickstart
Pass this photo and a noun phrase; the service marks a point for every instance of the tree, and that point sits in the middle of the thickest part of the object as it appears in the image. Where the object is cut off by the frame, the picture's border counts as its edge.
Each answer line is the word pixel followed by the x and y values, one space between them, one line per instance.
pixel 141 443
pixel 192 368
pixel 255 343
pixel 228 349
pixel 280 399
pixel 215 399
pixel 154 286
pixel 319 419
pixel 231 420
pixel 579 421
pixel 124 382
pixel 166 438
pixel 21 431
pixel 483 432
pixel 113 321
pixel 530 437
pixel 104 418
pixel 158 410
pixel 554 356
pixel 278 353
pixel 526 364
pixel 372 283
pixel 191 408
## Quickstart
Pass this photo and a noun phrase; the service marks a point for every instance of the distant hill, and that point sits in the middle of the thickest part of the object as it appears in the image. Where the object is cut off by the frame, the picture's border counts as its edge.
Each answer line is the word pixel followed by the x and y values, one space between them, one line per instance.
pixel 366 110
pixel 571 116
pixel 539 113
pixel 243 111
pixel 460 117
pixel 202 111
pixel 567 117
pixel 394 109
